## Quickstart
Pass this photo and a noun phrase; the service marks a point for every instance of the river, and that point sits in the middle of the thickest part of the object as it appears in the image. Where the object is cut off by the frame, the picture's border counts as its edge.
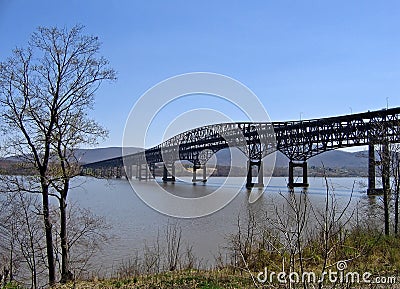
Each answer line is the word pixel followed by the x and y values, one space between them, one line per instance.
pixel 134 224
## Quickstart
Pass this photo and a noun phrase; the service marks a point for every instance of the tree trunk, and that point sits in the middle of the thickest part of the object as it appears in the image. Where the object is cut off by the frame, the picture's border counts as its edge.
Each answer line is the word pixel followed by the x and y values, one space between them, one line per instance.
pixel 396 177
pixel 386 209
pixel 49 235
pixel 386 185
pixel 66 275
pixel 396 214
pixel 11 269
pixel 31 257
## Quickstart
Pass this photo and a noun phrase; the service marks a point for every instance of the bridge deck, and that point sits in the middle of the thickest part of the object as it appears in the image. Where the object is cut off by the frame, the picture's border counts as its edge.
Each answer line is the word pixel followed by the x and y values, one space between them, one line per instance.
pixel 298 140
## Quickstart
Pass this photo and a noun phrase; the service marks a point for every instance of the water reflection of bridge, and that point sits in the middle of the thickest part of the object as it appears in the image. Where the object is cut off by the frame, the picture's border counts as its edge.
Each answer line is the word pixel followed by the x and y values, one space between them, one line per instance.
pixel 298 140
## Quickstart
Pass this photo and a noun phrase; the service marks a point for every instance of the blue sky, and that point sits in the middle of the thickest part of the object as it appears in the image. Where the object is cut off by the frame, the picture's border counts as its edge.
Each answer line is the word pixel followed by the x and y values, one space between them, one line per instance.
pixel 308 58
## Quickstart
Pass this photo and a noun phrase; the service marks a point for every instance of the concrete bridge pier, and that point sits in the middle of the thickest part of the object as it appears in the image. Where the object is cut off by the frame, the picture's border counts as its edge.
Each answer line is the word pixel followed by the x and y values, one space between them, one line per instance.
pixel 249 179
pixel 194 179
pixel 128 172
pixel 169 176
pixel 385 169
pixel 146 172
pixel 137 171
pixel 204 180
pixel 142 172
pixel 292 166
pixel 152 168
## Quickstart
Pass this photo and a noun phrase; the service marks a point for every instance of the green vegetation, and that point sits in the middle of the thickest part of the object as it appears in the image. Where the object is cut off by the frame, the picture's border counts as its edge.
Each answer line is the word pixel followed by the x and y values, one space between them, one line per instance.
pixel 294 236
pixel 181 279
pixel 366 250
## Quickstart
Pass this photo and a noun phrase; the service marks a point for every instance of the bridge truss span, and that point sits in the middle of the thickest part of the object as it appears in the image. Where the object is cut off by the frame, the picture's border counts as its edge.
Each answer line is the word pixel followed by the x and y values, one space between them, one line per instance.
pixel 301 140
pixel 298 140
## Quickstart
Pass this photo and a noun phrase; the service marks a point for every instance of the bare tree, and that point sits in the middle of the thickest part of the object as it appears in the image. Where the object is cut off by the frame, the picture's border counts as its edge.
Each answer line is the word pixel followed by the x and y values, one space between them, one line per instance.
pixel 395 172
pixel 385 169
pixel 23 232
pixel 45 92
pixel 8 261
pixel 173 236
pixel 243 241
pixel 29 235
pixel 87 235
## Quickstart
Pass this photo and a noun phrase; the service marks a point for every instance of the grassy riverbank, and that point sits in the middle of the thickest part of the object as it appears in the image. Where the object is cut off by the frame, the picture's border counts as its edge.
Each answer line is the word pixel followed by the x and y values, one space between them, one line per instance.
pixel 178 279
pixel 381 260
pixel 281 240
pixel 380 256
pixel 197 279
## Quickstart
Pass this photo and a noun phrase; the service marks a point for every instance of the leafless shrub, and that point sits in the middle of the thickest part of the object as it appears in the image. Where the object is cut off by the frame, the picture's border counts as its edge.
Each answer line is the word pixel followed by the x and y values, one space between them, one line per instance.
pixel 22 247
pixel 129 268
pixel 173 236
pixel 87 235
pixel 152 258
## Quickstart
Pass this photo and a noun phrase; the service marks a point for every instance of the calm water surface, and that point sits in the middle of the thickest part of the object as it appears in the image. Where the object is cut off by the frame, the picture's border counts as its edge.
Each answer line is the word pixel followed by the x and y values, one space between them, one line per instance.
pixel 134 223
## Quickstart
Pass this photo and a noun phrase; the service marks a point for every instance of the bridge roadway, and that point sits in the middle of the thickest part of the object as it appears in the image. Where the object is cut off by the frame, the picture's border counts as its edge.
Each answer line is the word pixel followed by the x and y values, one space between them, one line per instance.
pixel 298 140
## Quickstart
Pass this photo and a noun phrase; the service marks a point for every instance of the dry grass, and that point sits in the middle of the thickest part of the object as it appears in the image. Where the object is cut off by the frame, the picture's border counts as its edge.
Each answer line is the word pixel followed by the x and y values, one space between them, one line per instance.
pixel 198 279
pixel 177 279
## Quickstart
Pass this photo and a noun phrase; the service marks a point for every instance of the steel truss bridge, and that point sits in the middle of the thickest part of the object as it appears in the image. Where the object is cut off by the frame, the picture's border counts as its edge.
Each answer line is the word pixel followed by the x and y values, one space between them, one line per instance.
pixel 298 140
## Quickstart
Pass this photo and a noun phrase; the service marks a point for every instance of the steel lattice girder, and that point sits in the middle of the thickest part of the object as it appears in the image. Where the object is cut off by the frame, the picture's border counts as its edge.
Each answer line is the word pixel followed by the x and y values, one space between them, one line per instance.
pixel 298 140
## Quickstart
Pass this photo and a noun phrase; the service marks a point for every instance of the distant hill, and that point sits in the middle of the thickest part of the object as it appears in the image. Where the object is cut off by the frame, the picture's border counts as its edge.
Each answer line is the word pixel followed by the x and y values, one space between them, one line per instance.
pixel 99 154
pixel 330 159
pixel 340 159
pixel 337 163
